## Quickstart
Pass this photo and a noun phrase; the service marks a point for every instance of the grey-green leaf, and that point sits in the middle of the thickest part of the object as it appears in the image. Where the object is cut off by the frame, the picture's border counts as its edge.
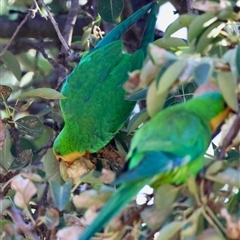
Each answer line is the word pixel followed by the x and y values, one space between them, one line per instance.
pixel 138 119
pixel 202 73
pixel 61 194
pixel 228 87
pixel 153 217
pixel 12 64
pixel 110 10
pixel 229 176
pixel 165 196
pixel 30 125
pixel 6 157
pixel 46 93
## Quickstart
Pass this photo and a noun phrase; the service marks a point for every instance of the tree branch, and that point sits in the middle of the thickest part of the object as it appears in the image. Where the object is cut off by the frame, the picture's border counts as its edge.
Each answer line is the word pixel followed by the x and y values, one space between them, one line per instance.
pixel 22 227
pixel 71 20
pixel 33 28
pixel 55 25
pixel 230 136
pixel 31 13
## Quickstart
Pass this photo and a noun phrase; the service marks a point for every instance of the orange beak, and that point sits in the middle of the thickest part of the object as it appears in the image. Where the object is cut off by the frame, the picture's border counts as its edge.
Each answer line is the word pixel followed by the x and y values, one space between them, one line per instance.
pixel 215 122
pixel 71 157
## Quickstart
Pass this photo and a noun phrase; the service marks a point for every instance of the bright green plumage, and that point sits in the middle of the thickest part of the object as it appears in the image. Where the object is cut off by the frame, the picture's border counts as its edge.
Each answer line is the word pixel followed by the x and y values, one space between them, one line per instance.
pixel 167 149
pixel 95 109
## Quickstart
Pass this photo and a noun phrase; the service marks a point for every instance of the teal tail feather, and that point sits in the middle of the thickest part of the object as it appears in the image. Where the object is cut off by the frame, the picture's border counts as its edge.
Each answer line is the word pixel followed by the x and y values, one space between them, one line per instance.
pixel 118 31
pixel 149 32
pixel 115 205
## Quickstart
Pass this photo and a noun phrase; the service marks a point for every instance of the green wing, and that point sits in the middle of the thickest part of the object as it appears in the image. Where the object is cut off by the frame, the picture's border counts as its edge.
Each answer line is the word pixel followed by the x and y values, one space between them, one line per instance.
pixel 95 109
pixel 167 149
pixel 169 141
pixel 96 84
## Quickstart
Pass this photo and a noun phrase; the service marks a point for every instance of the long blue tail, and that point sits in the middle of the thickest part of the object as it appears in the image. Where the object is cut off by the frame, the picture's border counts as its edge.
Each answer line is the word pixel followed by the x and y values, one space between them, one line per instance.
pixel 115 205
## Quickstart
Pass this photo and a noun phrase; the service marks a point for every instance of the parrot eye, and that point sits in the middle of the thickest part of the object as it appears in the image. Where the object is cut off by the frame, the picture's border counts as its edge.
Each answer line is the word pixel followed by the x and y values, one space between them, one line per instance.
pixel 57 153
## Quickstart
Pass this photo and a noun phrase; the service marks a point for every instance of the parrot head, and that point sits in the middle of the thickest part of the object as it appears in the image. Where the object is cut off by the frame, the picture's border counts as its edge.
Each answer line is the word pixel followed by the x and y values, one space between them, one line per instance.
pixel 218 109
pixel 64 148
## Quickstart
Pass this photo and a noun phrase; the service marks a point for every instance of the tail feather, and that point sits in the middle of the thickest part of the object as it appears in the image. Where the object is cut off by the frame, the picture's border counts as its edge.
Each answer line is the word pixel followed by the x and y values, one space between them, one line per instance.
pixel 118 31
pixel 149 32
pixel 115 205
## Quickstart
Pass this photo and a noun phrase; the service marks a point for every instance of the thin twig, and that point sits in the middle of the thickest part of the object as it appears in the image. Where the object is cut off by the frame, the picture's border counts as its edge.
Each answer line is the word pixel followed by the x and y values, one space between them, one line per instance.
pixel 230 136
pixel 22 227
pixel 55 25
pixel 31 13
pixel 70 23
pixel 39 10
pixel 40 48
pixel 46 146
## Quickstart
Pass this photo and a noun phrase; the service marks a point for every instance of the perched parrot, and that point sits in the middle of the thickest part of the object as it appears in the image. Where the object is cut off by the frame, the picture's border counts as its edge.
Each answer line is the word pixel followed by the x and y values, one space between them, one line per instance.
pixel 167 149
pixel 95 108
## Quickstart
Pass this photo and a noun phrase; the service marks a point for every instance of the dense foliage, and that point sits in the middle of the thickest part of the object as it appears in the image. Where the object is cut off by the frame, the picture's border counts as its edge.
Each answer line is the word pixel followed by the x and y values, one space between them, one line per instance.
pixel 41 42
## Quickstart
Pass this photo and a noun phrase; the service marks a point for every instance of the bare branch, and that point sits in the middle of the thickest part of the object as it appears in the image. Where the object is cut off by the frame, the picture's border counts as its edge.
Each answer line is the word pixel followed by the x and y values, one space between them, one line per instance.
pixel 39 26
pixel 71 20
pixel 230 136
pixel 55 25
pixel 31 13
pixel 22 227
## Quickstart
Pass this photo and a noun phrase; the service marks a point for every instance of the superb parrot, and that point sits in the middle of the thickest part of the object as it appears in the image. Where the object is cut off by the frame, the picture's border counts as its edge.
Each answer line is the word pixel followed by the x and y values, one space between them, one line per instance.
pixel 167 149
pixel 95 108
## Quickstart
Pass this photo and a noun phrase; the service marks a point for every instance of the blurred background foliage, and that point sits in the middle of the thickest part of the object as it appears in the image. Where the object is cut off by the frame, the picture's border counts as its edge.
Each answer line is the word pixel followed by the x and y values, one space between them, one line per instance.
pixel 33 66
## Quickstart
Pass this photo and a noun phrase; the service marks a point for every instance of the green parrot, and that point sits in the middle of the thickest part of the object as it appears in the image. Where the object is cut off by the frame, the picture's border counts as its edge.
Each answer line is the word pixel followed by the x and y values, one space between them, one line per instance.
pixel 95 108
pixel 167 149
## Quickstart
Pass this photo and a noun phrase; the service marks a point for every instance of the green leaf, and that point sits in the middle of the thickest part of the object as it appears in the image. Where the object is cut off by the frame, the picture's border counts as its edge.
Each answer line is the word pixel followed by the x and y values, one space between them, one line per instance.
pixel 30 125
pixel 51 167
pixel 238 59
pixel 92 177
pixel 4 203
pixel 136 120
pixel 202 73
pixel 169 230
pixel 155 101
pixel 215 167
pixel 231 57
pixel 121 147
pixel 165 196
pixel 110 10
pixel 164 67
pixel 61 194
pixel 24 159
pixel 232 155
pixel 171 75
pixel 6 157
pixel 12 63
pixel 46 93
pixel 206 40
pixel 171 43
pixel 183 20
pixel 92 197
pixel 228 88
pixel 153 217
pixel 140 95
pixel 229 176
pixel 26 80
